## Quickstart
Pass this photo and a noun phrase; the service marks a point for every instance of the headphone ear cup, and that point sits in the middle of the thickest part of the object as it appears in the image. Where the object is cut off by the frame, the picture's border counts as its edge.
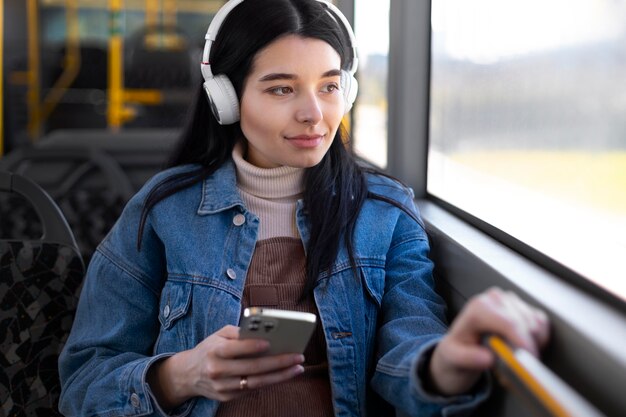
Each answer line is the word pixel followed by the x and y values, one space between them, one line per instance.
pixel 350 88
pixel 222 99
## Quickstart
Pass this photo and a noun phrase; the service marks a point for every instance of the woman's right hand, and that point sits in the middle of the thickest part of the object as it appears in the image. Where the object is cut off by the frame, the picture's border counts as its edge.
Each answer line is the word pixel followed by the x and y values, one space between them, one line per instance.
pixel 460 358
pixel 215 367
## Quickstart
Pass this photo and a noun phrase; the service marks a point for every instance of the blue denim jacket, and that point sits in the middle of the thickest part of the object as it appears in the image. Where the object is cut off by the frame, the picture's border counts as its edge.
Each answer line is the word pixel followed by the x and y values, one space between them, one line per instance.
pixel 187 281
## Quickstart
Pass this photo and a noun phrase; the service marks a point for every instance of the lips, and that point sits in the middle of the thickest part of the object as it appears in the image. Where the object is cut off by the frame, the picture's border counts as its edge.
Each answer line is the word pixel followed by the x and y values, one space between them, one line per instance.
pixel 305 137
pixel 306 141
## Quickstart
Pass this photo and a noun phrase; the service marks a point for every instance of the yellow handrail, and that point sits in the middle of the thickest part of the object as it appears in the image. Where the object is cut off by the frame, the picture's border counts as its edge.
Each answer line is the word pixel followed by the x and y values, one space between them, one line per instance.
pixel 71 64
pixel 33 93
pixel 169 13
pixel 529 375
pixel 152 13
pixel 143 96
pixel 118 96
pixel 116 112
pixel 506 355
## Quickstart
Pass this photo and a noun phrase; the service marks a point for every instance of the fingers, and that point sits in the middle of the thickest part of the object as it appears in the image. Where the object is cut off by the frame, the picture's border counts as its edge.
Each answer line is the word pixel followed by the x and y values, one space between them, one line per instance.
pixel 217 365
pixel 228 332
pixel 505 314
pixel 275 377
pixel 262 380
pixel 534 319
pixel 510 318
pixel 225 344
pixel 230 388
pixel 221 369
pixel 459 357
pixel 228 356
pixel 266 364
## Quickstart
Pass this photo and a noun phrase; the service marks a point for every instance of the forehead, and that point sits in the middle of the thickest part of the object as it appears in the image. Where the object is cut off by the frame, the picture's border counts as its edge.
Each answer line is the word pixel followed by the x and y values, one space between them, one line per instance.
pixel 292 53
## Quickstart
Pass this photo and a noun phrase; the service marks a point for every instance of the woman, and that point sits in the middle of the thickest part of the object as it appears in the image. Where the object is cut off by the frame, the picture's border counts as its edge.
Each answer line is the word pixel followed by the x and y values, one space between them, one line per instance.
pixel 263 205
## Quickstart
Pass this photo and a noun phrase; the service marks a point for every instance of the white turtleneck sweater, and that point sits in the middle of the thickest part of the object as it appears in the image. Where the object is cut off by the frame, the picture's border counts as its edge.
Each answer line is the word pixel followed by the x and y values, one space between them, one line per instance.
pixel 271 194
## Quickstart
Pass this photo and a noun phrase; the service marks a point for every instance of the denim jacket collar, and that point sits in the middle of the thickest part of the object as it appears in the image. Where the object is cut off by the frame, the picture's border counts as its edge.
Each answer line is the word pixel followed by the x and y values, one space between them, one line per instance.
pixel 219 191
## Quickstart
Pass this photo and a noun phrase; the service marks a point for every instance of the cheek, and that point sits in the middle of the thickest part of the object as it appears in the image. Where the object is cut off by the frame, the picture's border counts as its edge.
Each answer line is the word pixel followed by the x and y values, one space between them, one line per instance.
pixel 334 119
pixel 256 124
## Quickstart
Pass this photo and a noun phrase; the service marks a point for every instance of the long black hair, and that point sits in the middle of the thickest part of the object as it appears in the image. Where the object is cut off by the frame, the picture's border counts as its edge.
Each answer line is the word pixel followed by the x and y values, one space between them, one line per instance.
pixel 336 186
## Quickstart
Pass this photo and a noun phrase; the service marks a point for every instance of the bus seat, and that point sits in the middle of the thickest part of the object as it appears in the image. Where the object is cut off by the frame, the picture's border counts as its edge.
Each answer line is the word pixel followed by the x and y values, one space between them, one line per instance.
pixel 87 184
pixel 141 153
pixel 40 281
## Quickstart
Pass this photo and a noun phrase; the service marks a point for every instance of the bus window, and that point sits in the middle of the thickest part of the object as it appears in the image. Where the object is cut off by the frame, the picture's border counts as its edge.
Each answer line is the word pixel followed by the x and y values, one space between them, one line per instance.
pixel 527 125
pixel 371 28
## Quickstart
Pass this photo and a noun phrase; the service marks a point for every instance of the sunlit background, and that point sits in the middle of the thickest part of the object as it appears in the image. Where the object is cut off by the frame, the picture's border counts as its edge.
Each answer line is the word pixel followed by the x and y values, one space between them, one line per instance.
pixel 371 27
pixel 528 126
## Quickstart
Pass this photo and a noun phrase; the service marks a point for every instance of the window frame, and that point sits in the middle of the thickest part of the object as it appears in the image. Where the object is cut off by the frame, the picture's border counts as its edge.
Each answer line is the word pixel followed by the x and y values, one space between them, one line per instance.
pixel 471 255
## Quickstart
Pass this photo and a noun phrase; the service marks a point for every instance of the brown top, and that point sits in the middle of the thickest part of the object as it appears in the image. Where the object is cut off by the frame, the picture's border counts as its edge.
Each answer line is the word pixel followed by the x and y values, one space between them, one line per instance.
pixel 276 279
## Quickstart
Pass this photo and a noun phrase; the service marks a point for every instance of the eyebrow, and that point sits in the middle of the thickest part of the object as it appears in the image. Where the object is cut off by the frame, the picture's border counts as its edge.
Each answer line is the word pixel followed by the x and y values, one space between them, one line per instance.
pixel 285 76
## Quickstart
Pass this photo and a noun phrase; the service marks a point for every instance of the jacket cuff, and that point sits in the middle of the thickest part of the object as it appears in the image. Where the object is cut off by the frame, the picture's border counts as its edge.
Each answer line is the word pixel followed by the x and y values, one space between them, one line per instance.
pixel 457 405
pixel 140 400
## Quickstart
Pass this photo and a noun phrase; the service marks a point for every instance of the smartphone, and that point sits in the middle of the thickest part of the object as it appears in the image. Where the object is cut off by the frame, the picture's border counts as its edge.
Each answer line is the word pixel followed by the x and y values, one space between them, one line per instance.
pixel 287 331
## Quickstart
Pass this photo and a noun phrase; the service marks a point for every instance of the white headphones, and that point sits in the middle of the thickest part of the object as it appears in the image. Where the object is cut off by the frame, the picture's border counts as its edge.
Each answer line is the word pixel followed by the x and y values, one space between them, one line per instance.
pixel 220 90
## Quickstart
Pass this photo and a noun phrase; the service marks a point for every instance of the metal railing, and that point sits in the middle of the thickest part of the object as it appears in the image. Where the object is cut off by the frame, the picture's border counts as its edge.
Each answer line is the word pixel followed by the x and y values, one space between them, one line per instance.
pixel 523 374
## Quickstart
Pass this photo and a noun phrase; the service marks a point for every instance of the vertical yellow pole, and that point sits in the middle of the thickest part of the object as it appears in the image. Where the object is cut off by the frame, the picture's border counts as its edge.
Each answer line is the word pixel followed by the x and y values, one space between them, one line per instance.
pixel 152 12
pixel 116 70
pixel 33 93
pixel 1 77
pixel 169 15
pixel 71 64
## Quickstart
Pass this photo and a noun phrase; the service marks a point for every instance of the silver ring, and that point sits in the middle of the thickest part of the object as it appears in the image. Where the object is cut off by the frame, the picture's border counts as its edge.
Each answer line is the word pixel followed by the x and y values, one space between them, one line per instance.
pixel 243 383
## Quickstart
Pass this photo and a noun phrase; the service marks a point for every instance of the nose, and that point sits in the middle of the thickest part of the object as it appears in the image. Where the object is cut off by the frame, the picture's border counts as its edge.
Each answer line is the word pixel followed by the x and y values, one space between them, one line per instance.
pixel 309 110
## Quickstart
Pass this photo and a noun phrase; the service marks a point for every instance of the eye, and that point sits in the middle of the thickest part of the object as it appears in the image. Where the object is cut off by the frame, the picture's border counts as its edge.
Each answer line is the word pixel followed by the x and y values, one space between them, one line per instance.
pixel 330 87
pixel 280 91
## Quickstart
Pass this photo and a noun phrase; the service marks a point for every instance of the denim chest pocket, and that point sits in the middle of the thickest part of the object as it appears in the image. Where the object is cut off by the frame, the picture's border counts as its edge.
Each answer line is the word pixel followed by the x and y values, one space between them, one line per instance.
pixel 173 308
pixel 353 307
pixel 374 282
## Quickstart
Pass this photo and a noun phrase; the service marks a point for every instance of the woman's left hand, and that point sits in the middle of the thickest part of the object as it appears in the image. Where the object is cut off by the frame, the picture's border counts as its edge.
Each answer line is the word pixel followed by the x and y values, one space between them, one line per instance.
pixel 459 358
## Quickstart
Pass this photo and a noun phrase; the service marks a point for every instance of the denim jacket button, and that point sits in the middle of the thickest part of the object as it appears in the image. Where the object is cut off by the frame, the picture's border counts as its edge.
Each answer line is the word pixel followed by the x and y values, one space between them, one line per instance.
pixel 231 273
pixel 134 400
pixel 239 219
pixel 166 311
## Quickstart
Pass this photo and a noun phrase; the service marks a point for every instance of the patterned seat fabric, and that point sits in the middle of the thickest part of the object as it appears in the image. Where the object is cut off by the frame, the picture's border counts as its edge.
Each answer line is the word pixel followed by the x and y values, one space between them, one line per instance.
pixel 90 213
pixel 39 288
pixel 18 218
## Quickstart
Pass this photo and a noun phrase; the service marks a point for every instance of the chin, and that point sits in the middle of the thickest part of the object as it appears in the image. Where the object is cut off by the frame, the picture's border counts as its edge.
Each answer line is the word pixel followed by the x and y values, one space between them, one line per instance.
pixel 308 163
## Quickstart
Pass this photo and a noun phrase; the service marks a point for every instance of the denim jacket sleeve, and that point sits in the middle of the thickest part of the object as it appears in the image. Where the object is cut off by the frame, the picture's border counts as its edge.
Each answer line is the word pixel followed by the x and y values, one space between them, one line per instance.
pixel 413 321
pixel 104 362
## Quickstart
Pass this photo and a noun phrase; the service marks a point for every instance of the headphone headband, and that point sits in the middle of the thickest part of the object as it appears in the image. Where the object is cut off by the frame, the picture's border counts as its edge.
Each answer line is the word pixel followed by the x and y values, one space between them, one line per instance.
pixel 221 14
pixel 211 34
pixel 346 25
pixel 219 89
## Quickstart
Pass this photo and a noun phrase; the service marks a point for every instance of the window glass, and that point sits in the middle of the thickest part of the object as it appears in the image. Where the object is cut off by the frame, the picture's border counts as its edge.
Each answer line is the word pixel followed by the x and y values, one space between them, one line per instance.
pixel 528 125
pixel 191 17
pixel 371 27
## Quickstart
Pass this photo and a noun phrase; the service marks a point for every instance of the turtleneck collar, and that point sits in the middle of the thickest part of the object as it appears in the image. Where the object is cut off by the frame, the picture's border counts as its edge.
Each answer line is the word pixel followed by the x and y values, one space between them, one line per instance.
pixel 268 183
